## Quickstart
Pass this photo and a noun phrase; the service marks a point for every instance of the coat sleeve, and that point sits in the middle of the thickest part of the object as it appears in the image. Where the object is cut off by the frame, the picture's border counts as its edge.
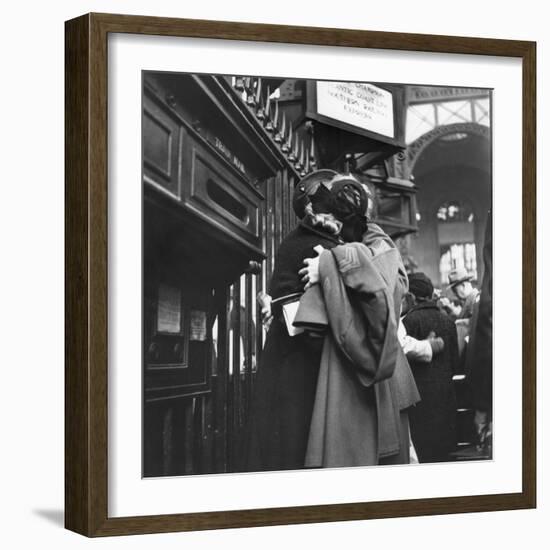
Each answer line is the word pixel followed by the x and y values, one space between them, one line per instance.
pixel 360 311
pixel 415 350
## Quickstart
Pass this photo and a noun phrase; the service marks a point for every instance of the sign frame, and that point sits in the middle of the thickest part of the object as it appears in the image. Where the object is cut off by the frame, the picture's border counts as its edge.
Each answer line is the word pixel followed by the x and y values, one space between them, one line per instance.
pixel 398 95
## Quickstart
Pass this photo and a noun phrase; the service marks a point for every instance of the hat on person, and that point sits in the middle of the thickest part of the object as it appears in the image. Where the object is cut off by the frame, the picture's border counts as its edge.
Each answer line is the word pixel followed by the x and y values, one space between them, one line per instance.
pixel 307 186
pixel 420 285
pixel 457 276
pixel 350 196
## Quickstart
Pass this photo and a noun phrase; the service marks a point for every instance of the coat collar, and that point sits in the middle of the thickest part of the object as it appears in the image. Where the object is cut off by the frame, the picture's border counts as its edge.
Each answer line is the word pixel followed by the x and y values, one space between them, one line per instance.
pixel 423 305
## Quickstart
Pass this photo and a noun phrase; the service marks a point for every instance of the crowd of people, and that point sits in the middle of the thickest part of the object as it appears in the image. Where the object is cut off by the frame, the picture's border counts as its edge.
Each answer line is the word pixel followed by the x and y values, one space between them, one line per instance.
pixel 359 357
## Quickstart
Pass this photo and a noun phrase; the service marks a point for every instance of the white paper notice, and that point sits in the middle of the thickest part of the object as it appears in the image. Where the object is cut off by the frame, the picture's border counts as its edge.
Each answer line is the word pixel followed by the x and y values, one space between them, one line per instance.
pixel 169 309
pixel 356 103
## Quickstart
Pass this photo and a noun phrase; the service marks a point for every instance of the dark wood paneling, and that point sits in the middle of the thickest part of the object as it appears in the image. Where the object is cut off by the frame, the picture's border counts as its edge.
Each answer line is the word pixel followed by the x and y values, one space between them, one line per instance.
pixel 162 146
pixel 222 197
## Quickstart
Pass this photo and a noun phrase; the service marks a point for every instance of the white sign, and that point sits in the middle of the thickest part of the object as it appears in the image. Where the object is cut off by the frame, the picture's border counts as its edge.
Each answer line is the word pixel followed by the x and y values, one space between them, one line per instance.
pixel 361 105
pixel 169 310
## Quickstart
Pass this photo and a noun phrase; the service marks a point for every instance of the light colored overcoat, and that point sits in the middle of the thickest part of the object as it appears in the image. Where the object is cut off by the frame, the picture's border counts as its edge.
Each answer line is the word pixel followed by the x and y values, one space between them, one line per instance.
pixel 364 380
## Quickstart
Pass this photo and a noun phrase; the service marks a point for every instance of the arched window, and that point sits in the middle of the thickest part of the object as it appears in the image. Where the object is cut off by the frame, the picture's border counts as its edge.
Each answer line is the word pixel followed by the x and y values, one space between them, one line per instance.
pixel 455 230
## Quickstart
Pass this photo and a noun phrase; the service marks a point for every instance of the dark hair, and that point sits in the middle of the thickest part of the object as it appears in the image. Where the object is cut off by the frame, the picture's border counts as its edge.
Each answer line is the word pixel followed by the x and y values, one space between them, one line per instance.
pixel 421 286
pixel 322 220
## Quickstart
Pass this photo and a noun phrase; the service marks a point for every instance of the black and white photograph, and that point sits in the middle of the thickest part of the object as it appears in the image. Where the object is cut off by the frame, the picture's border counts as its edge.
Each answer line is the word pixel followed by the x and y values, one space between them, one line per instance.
pixel 316 275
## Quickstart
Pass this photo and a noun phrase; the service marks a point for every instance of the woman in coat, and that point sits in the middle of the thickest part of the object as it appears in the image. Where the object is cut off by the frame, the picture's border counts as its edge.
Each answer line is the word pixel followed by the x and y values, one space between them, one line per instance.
pixel 331 209
pixel 433 419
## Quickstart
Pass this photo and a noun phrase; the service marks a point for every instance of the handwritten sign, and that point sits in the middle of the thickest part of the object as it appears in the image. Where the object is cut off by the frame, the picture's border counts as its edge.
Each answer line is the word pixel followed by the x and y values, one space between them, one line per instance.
pixel 362 105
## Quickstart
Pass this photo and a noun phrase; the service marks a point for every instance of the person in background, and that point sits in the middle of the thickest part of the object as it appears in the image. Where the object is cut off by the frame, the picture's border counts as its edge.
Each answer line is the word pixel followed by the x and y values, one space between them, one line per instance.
pixel 419 350
pixel 460 282
pixel 479 357
pixel 433 419
pixel 451 307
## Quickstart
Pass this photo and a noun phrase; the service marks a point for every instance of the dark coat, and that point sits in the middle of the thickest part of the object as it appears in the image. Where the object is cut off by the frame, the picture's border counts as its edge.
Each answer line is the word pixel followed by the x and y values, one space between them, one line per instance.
pixel 293 250
pixel 284 389
pixel 479 356
pixel 433 420
pixel 284 392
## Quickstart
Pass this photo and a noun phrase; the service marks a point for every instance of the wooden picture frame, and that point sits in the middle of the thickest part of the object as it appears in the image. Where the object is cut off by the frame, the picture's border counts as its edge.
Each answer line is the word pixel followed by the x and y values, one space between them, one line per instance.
pixel 86 360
